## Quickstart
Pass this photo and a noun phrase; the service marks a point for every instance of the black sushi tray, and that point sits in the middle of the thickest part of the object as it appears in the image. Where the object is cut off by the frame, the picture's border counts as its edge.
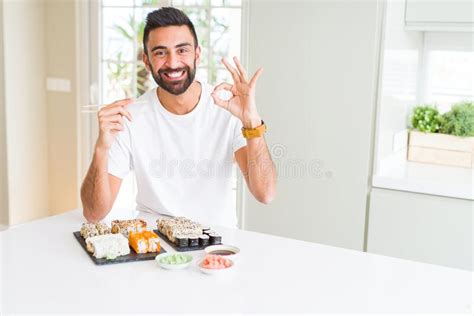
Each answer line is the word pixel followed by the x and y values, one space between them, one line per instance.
pixel 131 257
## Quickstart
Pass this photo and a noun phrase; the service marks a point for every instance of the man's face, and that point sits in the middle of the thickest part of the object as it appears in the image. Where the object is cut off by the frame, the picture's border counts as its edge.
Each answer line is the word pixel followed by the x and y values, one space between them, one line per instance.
pixel 172 58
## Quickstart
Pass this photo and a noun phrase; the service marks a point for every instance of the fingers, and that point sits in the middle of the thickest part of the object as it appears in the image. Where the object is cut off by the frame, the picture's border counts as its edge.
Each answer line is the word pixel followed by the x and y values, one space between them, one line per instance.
pixel 111 118
pixel 126 114
pixel 232 70
pixel 215 94
pixel 243 73
pixel 116 108
pixel 223 86
pixel 255 77
pixel 111 126
pixel 240 75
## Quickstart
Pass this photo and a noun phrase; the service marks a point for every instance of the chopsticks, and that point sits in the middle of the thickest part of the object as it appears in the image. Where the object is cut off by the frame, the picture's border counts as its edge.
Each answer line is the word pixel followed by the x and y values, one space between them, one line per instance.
pixel 94 108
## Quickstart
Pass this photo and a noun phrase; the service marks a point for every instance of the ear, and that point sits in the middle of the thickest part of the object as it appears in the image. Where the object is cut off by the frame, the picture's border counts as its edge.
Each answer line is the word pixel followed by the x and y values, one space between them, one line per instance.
pixel 198 54
pixel 146 61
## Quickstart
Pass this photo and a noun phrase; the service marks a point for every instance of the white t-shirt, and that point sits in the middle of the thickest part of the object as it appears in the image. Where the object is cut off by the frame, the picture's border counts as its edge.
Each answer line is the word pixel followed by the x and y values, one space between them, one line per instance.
pixel 182 163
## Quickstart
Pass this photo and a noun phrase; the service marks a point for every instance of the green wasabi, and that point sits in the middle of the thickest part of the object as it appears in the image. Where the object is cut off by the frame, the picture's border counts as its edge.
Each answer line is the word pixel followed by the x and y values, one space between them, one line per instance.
pixel 176 259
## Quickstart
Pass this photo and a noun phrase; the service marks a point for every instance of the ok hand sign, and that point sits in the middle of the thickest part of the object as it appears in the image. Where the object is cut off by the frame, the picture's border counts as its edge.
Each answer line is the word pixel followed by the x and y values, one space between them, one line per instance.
pixel 242 103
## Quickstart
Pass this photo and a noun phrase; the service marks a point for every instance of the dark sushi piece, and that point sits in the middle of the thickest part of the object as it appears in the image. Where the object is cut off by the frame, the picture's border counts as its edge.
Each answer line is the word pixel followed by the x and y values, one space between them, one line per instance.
pixel 203 240
pixel 215 239
pixel 182 241
pixel 193 241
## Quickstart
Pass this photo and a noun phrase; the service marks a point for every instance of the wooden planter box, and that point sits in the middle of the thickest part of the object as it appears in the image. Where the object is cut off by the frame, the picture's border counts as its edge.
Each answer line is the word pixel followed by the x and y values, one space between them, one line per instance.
pixel 441 149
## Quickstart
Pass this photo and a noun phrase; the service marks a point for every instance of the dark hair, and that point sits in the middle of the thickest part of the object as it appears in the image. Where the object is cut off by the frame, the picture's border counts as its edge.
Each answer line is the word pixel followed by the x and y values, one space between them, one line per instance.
pixel 167 16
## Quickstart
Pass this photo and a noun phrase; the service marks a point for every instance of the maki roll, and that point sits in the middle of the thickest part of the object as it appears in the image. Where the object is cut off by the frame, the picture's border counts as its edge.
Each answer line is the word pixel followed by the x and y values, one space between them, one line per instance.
pixel 108 246
pixel 193 241
pixel 215 239
pixel 91 230
pixel 144 242
pixel 125 227
pixel 181 241
pixel 203 240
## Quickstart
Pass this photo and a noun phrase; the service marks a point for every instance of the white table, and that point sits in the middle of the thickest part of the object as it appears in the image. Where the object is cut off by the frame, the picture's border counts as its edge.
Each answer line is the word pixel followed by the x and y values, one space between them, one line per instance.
pixel 44 269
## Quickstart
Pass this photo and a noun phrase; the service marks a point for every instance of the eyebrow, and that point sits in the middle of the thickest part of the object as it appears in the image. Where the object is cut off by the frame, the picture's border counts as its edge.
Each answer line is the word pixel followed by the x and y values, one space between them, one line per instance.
pixel 164 47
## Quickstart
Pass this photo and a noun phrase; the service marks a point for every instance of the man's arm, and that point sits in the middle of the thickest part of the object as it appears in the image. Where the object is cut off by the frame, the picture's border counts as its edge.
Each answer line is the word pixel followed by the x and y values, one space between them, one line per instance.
pixel 254 160
pixel 257 167
pixel 99 189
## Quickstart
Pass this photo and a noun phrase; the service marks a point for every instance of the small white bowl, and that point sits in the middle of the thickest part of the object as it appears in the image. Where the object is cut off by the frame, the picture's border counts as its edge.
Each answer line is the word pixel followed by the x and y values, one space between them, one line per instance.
pixel 216 271
pixel 218 249
pixel 173 266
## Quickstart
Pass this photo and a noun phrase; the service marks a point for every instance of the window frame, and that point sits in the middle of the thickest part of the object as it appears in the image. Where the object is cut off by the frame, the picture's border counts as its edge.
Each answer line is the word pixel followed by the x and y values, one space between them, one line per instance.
pixel 90 17
pixel 449 41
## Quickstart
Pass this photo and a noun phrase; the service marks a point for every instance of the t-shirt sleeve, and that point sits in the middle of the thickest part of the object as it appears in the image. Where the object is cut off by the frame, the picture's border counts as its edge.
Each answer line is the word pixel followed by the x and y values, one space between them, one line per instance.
pixel 120 154
pixel 239 141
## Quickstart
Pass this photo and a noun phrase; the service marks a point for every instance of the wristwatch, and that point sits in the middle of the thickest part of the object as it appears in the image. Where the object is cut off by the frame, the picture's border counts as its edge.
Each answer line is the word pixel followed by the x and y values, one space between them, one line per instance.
pixel 254 132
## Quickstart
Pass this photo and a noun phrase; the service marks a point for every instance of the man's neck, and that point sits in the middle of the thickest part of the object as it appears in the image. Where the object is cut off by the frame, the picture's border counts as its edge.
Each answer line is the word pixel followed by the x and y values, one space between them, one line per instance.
pixel 183 103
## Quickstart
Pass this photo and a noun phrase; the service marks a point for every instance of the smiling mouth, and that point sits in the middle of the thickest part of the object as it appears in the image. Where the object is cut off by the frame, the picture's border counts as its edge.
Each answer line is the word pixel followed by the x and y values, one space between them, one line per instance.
pixel 174 75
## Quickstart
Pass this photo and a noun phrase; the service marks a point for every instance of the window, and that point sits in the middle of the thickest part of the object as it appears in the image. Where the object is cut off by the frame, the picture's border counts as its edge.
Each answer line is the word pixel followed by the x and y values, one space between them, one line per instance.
pixel 447 73
pixel 122 72
pixel 217 24
pixel 419 67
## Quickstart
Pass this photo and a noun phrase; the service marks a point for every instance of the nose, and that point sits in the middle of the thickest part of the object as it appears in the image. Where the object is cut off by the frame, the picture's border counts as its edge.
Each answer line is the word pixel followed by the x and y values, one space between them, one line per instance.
pixel 172 61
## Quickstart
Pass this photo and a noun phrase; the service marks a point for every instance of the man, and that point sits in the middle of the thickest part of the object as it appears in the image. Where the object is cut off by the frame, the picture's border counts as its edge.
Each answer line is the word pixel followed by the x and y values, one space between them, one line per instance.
pixel 180 138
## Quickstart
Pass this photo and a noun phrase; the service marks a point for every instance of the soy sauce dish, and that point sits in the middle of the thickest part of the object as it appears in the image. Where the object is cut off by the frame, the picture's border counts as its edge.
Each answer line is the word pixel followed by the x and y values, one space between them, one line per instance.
pixel 230 252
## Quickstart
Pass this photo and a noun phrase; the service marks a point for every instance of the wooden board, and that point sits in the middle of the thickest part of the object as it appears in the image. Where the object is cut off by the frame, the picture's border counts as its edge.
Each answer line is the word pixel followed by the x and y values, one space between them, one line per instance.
pixel 441 149
pixel 131 257
pixel 181 249
pixel 442 141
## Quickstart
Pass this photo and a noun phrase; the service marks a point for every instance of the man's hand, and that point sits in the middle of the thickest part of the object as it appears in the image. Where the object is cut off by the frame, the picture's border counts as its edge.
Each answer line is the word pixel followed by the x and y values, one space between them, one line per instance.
pixel 242 103
pixel 111 122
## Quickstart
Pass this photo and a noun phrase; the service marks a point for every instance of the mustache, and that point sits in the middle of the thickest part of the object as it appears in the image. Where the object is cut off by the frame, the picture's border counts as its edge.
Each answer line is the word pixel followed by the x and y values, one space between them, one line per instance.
pixel 161 71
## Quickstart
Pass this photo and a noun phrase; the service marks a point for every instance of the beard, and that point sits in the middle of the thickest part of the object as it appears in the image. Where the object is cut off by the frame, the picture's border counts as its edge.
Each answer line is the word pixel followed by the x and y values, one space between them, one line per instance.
pixel 174 87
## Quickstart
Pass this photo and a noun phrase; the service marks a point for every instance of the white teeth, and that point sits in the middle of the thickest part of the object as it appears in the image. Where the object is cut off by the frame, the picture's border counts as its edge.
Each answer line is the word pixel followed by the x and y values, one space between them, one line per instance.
pixel 175 74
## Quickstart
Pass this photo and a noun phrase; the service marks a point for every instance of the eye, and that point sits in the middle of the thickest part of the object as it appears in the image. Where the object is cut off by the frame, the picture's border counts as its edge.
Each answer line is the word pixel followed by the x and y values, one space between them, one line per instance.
pixel 160 53
pixel 182 50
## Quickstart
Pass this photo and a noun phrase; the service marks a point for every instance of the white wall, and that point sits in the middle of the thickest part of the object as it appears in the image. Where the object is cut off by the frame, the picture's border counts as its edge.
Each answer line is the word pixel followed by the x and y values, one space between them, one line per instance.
pixel 3 149
pixel 26 110
pixel 317 98
pixel 41 127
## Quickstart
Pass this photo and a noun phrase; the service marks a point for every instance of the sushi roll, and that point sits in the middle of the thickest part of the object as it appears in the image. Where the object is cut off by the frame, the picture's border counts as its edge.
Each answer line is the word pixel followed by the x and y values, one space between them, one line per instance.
pixel 125 227
pixel 215 239
pixel 203 240
pixel 109 246
pixel 144 242
pixel 209 232
pixel 102 228
pixel 193 241
pixel 91 229
pixel 182 241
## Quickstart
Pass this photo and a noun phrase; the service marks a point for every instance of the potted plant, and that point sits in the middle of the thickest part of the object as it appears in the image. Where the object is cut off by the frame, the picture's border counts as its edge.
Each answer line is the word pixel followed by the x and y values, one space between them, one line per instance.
pixel 446 139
